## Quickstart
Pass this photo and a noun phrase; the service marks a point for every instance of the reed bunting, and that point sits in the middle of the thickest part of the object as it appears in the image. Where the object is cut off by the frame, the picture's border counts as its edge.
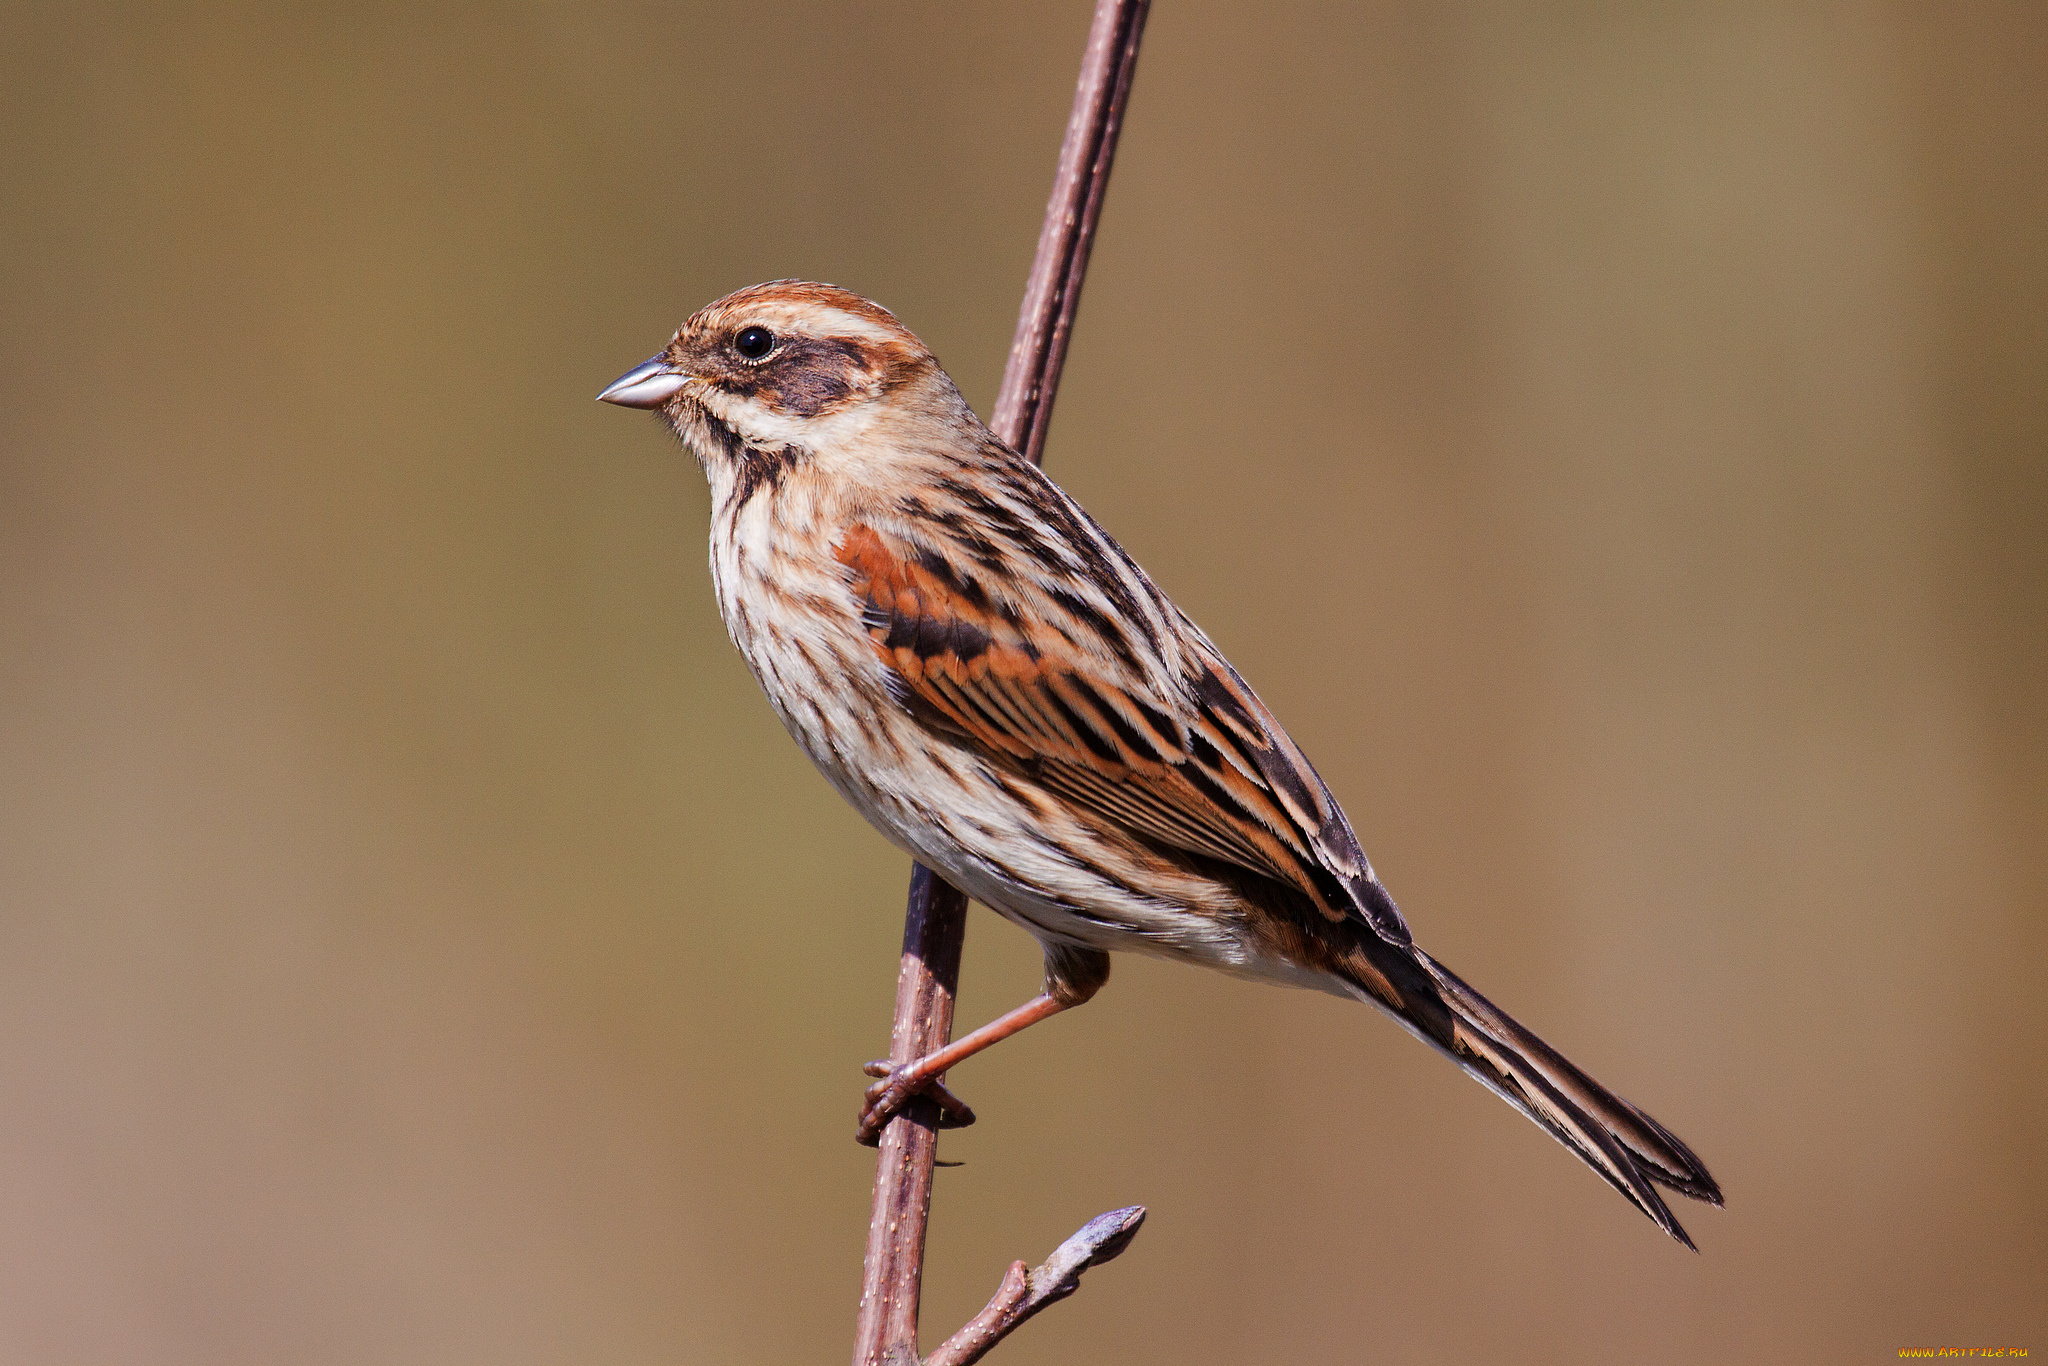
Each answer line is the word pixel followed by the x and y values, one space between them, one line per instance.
pixel 986 675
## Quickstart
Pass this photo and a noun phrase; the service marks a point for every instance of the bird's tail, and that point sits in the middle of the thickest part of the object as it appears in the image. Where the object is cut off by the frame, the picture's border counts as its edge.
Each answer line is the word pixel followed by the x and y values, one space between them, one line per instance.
pixel 1634 1153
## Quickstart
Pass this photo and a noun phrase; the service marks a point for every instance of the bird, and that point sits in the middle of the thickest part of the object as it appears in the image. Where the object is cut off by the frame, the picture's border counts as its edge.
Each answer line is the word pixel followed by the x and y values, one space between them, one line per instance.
pixel 985 674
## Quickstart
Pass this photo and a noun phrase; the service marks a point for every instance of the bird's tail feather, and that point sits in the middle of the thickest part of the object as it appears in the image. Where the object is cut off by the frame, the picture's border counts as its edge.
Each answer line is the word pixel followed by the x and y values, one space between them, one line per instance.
pixel 1631 1151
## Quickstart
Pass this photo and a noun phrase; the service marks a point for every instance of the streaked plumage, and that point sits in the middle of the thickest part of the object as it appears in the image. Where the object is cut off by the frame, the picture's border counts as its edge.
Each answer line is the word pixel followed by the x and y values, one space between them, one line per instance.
pixel 981 670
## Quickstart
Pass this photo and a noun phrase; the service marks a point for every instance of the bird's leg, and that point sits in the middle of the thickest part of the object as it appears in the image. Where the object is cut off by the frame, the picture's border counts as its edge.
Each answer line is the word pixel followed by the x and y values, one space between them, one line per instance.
pixel 899 1084
pixel 1072 975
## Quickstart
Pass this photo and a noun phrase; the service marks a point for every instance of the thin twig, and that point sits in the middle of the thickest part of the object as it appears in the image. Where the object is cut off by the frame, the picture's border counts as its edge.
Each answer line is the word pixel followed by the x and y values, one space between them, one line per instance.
pixel 934 928
pixel 1031 376
pixel 1023 1293
pixel 935 921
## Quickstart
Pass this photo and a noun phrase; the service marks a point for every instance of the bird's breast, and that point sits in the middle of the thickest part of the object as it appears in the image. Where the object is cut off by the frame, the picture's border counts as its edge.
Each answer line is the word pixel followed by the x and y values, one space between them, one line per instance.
pixel 792 614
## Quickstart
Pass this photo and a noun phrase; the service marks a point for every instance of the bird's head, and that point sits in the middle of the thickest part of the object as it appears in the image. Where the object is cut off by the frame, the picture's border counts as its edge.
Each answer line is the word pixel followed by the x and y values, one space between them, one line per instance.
pixel 788 367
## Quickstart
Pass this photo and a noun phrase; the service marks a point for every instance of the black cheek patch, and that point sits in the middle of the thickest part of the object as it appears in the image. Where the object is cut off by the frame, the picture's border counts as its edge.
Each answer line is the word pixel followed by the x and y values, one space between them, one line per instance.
pixel 811 375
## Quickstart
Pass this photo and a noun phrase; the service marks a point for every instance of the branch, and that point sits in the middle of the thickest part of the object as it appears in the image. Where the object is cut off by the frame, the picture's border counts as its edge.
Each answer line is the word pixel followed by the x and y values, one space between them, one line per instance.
pixel 1023 1293
pixel 1023 408
pixel 934 928
pixel 935 921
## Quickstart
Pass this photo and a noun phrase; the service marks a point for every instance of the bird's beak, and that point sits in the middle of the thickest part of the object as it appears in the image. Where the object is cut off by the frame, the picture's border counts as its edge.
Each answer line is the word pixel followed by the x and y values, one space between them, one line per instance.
pixel 647 385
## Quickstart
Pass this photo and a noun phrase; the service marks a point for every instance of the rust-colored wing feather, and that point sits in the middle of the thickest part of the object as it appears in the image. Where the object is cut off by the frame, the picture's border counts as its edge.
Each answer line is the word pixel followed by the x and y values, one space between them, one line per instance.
pixel 1047 685
pixel 1043 685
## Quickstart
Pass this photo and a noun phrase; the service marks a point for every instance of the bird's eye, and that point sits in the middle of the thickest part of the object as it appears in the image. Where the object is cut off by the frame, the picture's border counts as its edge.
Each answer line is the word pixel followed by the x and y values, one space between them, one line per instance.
pixel 754 342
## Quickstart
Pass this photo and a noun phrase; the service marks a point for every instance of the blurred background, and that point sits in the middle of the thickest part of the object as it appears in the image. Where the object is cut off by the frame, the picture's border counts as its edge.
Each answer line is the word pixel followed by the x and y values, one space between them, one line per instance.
pixel 1613 438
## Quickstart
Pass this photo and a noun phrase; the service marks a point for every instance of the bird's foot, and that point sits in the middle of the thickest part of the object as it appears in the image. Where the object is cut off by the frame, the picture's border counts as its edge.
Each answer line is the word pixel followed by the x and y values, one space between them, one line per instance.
pixel 897 1087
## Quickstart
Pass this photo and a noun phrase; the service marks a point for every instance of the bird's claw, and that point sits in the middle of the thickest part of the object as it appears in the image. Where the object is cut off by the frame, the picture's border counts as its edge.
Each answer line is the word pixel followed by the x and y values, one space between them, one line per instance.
pixel 894 1090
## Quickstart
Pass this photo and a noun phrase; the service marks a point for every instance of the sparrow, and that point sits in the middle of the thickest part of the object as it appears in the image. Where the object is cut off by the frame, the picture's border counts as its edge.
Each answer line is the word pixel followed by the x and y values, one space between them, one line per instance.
pixel 981 670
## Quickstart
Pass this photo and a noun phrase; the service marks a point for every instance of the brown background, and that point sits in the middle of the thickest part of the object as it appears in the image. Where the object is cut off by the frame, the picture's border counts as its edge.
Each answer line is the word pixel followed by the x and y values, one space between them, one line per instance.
pixel 1611 436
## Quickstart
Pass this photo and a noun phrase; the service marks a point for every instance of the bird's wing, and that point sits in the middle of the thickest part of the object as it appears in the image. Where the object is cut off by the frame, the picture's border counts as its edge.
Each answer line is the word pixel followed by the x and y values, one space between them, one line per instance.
pixel 1040 680
pixel 1056 689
